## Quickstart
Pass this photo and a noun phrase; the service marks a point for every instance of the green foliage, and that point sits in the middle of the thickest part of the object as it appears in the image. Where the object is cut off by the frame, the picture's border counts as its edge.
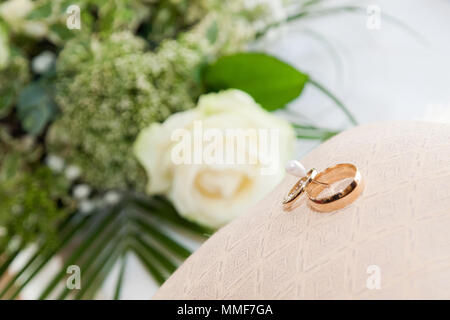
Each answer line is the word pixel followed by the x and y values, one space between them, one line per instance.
pixel 4 45
pixel 28 206
pixel 271 82
pixel 133 62
pixel 311 132
pixel 121 15
pixel 13 78
pixel 97 241
pixel 109 84
pixel 35 107
pixel 109 89
pixel 29 194
pixel 41 11
pixel 128 66
pixel 157 19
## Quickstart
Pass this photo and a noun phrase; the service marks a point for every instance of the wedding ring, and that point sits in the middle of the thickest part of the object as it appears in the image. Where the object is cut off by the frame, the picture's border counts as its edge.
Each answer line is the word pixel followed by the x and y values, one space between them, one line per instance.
pixel 339 199
pixel 300 186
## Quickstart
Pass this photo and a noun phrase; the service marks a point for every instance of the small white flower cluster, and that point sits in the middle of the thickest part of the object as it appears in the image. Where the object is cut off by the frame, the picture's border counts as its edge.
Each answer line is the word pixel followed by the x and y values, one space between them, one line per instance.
pixel 81 192
pixel 57 165
pixel 108 90
pixel 87 205
pixel 275 11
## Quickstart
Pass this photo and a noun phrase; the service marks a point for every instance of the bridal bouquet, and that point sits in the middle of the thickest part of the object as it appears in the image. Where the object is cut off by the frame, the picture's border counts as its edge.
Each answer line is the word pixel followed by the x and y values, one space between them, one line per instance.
pixel 92 95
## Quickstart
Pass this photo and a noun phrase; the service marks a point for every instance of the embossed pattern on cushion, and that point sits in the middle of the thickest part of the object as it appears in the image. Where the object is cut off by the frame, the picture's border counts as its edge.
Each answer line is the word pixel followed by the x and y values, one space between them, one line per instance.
pixel 401 223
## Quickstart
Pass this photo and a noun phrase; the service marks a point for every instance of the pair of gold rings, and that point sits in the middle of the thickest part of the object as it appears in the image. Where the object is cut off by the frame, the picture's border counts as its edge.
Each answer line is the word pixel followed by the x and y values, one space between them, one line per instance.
pixel 314 183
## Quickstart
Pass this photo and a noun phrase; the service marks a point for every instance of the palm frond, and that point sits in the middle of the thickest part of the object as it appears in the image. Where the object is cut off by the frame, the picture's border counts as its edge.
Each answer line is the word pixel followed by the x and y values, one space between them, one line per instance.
pixel 123 265
pixel 312 132
pixel 102 239
pixel 337 101
pixel 312 10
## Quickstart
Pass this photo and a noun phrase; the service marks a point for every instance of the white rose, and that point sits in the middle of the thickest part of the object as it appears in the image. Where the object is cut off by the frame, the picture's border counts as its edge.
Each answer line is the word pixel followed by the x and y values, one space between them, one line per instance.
pixel 213 193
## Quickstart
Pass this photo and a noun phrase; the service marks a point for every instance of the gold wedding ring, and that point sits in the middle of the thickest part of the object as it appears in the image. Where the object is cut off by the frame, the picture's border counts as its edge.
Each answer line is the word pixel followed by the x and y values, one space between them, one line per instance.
pixel 341 198
pixel 313 184
pixel 300 186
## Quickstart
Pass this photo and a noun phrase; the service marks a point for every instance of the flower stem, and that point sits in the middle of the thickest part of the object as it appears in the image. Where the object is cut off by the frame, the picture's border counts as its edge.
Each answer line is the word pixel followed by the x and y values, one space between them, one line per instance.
pixel 333 10
pixel 335 100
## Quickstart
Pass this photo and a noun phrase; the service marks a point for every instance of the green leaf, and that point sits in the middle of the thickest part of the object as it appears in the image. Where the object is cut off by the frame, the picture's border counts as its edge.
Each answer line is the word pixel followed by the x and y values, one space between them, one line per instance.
pixel 41 12
pixel 87 243
pixel 65 5
pixel 5 264
pixel 60 32
pixel 163 261
pixel 271 82
pixel 161 208
pixel 35 108
pixel 107 14
pixel 162 238
pixel 36 119
pixel 149 265
pixel 94 252
pixel 36 264
pixel 212 32
pixel 123 265
pixel 6 102
pixel 101 270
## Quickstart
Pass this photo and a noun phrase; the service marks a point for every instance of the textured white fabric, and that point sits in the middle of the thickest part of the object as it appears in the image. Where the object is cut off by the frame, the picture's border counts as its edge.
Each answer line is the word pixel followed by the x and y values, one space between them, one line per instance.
pixel 400 224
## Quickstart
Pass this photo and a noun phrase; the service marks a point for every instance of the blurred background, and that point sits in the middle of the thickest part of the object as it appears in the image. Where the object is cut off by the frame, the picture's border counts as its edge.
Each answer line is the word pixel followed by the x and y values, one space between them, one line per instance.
pixel 382 74
pixel 382 71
